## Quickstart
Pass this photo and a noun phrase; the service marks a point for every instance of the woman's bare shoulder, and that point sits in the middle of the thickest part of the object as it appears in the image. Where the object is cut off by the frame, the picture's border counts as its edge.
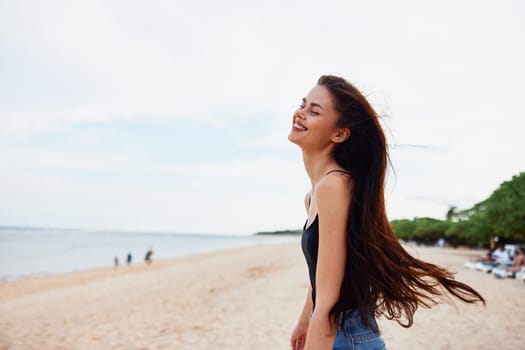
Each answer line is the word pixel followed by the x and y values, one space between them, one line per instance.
pixel 333 195
pixel 334 185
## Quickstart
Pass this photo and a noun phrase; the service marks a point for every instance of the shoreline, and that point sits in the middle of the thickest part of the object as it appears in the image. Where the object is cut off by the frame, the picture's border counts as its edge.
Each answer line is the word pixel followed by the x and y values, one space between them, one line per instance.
pixel 20 261
pixel 12 289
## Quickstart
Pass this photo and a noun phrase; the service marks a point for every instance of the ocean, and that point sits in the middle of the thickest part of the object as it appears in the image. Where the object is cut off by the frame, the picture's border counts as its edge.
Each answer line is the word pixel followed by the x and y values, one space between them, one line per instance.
pixel 28 252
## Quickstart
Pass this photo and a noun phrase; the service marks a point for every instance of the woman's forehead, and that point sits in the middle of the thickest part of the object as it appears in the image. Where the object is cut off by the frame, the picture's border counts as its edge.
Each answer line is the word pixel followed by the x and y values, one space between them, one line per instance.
pixel 320 95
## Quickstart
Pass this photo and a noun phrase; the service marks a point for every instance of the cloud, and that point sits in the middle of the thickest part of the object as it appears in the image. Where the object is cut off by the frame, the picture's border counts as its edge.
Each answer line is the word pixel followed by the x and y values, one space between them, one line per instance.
pixel 228 197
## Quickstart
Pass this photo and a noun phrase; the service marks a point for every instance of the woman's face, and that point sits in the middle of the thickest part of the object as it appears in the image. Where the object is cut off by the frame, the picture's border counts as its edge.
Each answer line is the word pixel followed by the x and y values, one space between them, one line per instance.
pixel 314 122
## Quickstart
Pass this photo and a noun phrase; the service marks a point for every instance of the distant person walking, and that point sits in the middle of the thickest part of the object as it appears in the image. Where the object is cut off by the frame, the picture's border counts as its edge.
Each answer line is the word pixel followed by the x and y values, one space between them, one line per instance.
pixel 115 262
pixel 129 258
pixel 358 269
pixel 147 258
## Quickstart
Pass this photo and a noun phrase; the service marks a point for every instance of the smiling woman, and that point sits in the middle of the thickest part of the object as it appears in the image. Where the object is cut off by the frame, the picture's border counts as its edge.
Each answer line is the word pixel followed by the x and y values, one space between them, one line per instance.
pixel 358 269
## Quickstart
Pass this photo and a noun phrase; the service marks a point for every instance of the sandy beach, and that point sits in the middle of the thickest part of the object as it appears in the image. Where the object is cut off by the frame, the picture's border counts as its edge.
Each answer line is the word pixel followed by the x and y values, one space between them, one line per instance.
pixel 245 298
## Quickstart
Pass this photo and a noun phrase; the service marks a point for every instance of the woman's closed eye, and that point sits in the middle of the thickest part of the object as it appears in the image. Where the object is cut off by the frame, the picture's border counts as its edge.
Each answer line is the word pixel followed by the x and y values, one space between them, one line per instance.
pixel 312 110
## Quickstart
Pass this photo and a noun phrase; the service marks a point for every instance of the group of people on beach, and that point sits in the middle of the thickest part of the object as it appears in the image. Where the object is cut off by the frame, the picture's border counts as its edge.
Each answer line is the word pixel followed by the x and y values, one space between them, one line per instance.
pixel 501 260
pixel 129 258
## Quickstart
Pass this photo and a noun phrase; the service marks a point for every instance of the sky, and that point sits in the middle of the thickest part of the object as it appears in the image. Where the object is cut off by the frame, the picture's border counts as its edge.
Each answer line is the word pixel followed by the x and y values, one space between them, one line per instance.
pixel 173 116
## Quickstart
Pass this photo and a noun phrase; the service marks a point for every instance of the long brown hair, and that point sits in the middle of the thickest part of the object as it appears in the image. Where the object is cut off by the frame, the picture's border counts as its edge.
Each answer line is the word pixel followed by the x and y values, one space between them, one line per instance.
pixel 380 276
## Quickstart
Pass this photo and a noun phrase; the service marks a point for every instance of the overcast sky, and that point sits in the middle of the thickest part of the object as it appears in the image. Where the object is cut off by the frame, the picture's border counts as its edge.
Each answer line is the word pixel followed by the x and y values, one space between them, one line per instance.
pixel 173 115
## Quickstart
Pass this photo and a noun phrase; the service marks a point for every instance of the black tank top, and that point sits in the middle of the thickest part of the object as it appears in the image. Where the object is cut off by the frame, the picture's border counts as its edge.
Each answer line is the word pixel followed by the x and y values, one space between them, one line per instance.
pixel 310 244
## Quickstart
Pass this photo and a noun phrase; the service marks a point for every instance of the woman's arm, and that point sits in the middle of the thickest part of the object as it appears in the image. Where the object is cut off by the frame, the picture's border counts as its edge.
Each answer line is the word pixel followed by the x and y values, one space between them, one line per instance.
pixel 333 200
pixel 298 338
pixel 304 317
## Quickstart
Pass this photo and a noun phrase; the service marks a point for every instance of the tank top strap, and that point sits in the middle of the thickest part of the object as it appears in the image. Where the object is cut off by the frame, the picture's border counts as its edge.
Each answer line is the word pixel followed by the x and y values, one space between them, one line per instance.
pixel 339 171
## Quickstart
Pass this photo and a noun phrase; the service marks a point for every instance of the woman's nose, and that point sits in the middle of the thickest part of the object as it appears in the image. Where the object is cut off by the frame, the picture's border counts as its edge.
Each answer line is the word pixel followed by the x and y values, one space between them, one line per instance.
pixel 299 113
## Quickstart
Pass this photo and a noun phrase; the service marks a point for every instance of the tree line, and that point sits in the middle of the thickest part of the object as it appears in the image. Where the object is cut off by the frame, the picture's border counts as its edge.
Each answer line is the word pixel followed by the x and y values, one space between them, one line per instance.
pixel 501 215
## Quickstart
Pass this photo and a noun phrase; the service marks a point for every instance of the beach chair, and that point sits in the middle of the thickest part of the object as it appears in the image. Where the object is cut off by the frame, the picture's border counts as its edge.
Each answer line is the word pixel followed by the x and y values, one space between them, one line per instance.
pixel 520 276
pixel 501 272
pixel 486 266
pixel 510 249
pixel 471 265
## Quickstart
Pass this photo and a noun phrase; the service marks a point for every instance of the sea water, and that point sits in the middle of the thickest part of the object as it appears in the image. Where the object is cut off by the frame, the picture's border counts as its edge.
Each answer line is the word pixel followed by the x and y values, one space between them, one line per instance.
pixel 27 252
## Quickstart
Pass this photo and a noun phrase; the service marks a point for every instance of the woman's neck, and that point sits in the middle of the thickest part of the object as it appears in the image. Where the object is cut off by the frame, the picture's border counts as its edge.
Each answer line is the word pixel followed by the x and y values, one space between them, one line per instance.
pixel 318 164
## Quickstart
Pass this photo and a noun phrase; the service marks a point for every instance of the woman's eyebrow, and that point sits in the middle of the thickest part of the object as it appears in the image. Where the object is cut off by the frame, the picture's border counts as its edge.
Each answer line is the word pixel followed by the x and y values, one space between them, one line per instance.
pixel 313 103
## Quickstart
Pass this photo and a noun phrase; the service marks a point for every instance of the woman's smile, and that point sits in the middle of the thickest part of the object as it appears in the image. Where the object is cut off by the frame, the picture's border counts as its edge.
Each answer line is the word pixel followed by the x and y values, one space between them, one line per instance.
pixel 298 127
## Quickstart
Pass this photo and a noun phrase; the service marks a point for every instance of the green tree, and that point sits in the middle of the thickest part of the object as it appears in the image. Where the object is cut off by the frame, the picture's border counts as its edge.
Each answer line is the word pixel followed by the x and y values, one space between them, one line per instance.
pixel 502 214
pixel 420 230
pixel 404 229
pixel 429 230
pixel 505 209
pixel 451 213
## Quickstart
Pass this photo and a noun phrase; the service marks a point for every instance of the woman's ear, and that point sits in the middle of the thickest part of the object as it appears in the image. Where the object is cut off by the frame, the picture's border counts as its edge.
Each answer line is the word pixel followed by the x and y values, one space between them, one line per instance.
pixel 341 135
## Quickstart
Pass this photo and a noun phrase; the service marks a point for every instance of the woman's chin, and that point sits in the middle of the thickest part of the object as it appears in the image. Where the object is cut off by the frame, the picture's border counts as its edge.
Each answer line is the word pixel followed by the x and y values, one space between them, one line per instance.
pixel 292 137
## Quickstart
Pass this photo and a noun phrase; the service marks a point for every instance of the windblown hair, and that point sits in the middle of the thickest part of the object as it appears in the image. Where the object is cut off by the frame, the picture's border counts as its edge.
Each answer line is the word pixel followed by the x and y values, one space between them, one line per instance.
pixel 381 277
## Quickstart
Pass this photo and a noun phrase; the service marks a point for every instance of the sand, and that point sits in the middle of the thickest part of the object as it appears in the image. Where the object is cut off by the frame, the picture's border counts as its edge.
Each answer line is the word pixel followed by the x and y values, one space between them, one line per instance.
pixel 245 298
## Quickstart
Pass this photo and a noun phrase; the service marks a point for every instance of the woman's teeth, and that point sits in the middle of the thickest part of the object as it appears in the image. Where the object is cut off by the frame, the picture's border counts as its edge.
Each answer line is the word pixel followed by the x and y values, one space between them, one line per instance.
pixel 297 126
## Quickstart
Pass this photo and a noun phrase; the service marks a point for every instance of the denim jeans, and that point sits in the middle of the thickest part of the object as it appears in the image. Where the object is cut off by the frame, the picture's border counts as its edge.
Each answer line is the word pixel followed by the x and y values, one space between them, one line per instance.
pixel 357 336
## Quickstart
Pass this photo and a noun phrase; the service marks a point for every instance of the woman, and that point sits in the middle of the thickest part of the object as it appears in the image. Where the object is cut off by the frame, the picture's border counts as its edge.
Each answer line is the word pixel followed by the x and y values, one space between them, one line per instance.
pixel 358 270
pixel 519 260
